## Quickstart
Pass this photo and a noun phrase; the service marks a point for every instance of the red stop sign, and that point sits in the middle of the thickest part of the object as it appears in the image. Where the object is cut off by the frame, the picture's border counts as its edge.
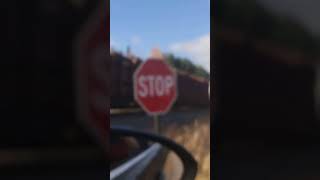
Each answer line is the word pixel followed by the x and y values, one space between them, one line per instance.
pixel 91 68
pixel 155 86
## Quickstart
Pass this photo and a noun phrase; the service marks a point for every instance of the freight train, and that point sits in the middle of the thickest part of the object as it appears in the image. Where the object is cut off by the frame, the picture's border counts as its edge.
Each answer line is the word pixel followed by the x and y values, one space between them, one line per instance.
pixel 192 91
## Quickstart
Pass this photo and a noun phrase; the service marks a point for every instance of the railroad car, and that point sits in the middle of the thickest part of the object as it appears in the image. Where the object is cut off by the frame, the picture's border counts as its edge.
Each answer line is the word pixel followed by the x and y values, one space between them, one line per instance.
pixel 192 91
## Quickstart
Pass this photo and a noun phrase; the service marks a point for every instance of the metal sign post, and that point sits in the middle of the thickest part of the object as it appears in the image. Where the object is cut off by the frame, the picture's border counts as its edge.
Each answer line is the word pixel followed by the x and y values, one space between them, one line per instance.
pixel 156 124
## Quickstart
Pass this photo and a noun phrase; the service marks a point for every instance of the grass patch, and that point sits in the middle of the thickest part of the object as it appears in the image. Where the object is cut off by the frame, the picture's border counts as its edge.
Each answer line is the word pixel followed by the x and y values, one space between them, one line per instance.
pixel 195 137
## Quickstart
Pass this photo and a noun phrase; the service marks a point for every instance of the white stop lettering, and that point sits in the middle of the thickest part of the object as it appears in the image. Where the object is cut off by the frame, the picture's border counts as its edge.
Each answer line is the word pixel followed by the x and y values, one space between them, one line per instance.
pixel 151 86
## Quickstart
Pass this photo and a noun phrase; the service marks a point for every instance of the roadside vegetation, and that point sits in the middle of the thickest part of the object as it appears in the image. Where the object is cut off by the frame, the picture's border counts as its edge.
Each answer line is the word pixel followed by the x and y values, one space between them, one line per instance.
pixel 195 137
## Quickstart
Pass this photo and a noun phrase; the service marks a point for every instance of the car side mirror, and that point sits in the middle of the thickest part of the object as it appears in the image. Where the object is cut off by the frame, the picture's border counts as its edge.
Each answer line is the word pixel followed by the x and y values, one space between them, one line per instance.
pixel 149 161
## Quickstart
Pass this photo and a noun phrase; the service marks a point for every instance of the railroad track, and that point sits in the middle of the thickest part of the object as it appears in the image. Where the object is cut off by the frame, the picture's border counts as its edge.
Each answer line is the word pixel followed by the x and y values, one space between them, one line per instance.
pixel 120 111
pixel 137 119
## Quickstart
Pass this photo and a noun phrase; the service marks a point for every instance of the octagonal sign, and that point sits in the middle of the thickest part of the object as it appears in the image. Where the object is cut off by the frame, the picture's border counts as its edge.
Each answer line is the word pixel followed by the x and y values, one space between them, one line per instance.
pixel 155 86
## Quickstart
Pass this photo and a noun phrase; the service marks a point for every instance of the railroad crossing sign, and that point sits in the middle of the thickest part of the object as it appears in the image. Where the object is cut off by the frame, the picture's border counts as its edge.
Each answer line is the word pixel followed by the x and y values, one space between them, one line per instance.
pixel 91 70
pixel 155 86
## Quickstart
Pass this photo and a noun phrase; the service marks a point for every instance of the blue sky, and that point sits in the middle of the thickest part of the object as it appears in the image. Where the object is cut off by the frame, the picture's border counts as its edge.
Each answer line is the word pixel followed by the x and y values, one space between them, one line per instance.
pixel 178 26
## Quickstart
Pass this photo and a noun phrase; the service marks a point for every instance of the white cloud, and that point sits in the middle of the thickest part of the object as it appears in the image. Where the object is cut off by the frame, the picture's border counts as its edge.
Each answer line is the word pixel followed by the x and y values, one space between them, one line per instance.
pixel 135 40
pixel 197 49
pixel 112 43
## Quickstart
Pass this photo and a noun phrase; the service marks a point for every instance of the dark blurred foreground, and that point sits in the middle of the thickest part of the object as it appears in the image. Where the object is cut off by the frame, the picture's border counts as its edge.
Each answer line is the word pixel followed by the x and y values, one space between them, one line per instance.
pixel 266 57
pixel 41 135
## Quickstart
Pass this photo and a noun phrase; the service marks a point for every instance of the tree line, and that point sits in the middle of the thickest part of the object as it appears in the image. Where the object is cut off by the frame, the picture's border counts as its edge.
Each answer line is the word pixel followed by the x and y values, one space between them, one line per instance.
pixel 185 64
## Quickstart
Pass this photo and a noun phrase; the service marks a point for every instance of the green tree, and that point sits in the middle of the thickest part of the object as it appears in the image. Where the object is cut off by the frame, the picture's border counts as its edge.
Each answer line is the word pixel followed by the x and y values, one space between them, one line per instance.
pixel 186 65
